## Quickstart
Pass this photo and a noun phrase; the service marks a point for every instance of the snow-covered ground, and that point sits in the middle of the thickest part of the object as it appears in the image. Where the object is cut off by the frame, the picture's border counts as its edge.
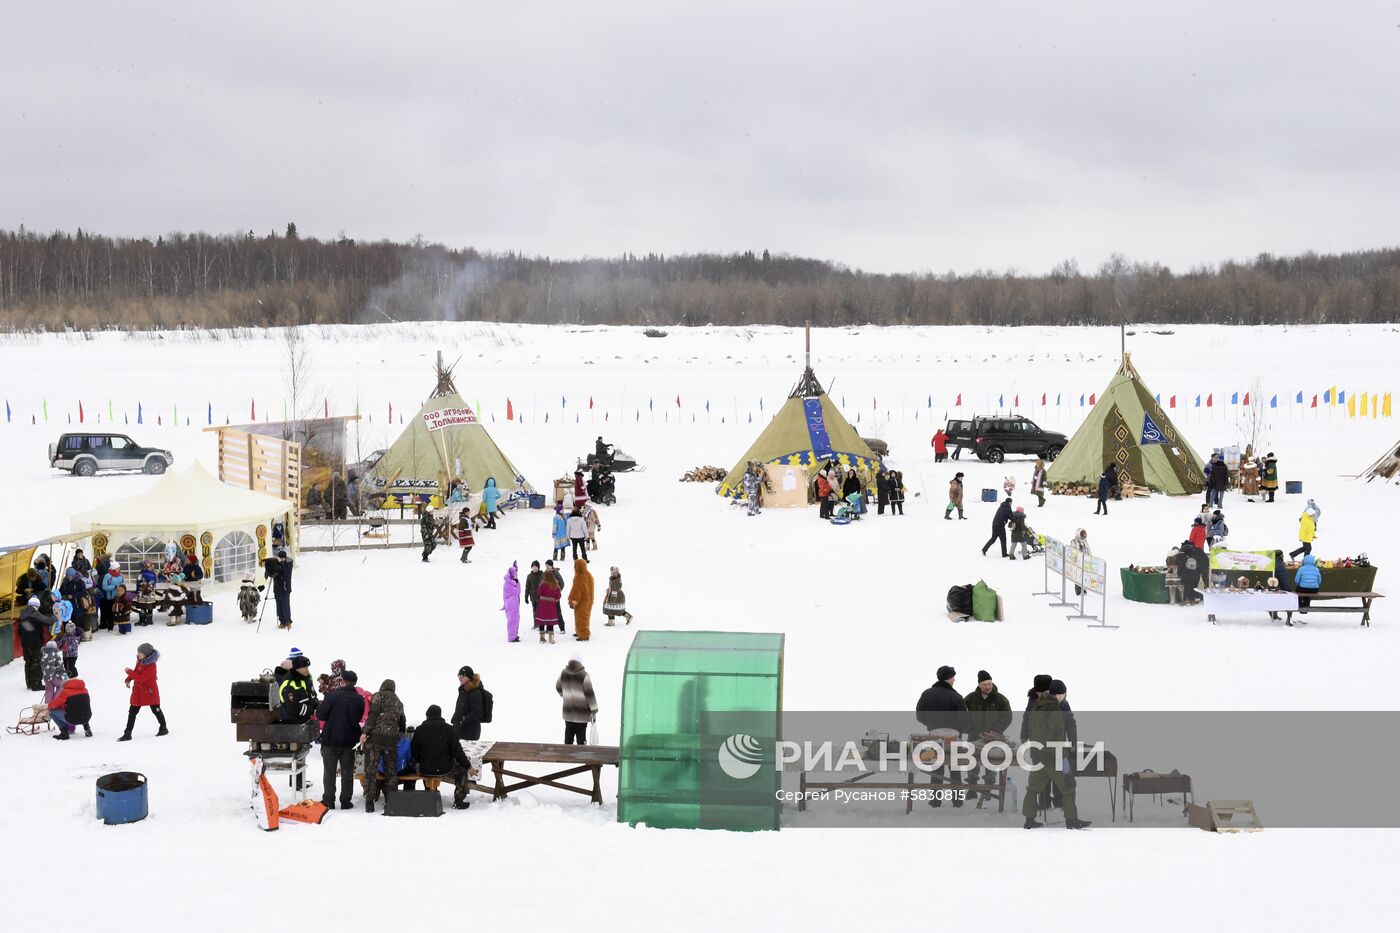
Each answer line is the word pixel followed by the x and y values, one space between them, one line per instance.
pixel 858 606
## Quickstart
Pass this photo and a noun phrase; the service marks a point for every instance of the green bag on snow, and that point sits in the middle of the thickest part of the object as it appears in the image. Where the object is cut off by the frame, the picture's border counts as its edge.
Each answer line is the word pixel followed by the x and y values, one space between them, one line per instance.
pixel 984 602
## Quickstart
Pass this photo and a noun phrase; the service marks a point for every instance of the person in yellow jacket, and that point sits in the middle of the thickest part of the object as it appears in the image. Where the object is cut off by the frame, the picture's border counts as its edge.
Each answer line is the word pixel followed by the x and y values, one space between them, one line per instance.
pixel 1307 530
pixel 581 598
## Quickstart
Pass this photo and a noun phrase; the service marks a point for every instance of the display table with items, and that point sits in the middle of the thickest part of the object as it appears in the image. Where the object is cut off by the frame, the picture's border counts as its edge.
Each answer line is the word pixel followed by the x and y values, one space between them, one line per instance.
pixel 1230 602
pixel 1144 584
pixel 1349 575
pixel 941 787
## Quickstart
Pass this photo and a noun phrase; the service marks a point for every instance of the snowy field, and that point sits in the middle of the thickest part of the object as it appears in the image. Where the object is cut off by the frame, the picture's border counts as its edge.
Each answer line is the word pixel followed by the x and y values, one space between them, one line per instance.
pixel 859 610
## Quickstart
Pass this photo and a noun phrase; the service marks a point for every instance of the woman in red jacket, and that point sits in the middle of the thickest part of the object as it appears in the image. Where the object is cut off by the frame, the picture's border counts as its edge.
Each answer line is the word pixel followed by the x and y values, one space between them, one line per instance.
pixel 144 691
pixel 1198 533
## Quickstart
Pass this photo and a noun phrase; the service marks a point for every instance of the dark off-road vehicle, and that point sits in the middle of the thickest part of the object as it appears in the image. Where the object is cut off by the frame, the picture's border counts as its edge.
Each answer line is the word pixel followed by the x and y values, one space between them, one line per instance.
pixel 84 454
pixel 993 438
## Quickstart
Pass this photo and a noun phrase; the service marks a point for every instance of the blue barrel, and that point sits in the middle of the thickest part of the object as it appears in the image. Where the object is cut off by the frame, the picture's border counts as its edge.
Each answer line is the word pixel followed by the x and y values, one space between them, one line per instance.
pixel 199 613
pixel 1292 487
pixel 121 797
pixel 536 501
pixel 989 495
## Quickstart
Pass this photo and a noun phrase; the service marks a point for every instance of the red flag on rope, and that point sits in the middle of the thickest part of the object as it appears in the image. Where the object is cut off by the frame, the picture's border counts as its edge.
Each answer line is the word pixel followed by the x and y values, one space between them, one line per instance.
pixel 1091 398
pixel 1210 400
pixel 252 409
pixel 510 411
pixel 1016 402
pixel 1246 398
pixel 678 401
pixel 391 412
pixel 1173 402
pixel 1042 398
pixel 328 407
pixel 959 401
pixel 80 411
pixel 590 401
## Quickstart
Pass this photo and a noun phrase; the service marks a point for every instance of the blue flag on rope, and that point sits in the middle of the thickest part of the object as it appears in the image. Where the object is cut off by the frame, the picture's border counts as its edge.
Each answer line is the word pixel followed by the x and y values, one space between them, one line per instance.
pixel 1235 399
pixel 1299 399
pixel 1198 401
pixel 138 412
pixel 1273 402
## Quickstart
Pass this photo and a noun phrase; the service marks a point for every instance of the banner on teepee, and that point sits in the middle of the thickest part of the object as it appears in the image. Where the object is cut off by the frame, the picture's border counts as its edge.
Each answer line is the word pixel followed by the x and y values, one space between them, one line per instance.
pixel 446 417
pixel 1151 434
pixel 816 428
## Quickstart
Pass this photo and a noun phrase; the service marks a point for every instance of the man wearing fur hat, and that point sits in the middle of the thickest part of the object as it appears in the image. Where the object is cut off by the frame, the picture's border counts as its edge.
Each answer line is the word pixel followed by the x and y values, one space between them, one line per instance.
pixel 990 713
pixel 1044 724
pixel 942 707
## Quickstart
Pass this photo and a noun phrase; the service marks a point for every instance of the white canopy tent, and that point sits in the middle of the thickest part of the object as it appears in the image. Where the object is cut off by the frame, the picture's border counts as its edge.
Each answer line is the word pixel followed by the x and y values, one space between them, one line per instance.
pixel 231 526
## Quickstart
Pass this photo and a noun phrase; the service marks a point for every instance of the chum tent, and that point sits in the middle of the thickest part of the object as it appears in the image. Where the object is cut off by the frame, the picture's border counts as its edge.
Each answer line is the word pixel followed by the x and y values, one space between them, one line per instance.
pixel 807 431
pixel 228 527
pixel 444 441
pixel 1386 468
pixel 1127 427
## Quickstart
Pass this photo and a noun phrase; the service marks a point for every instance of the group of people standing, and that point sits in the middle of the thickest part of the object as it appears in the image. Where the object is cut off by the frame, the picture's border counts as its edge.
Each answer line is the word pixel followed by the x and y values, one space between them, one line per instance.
pixel 352 720
pixel 840 490
pixel 544 594
pixel 984 715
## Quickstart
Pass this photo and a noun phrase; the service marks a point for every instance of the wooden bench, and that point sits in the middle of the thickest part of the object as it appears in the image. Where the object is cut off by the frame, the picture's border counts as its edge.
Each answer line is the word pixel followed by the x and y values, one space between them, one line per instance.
pixel 1364 608
pixel 580 758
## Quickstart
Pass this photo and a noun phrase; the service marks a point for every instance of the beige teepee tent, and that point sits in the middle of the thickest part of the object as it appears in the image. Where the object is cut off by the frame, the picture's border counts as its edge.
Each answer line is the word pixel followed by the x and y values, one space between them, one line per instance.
pixel 807 431
pixel 444 441
pixel 1127 427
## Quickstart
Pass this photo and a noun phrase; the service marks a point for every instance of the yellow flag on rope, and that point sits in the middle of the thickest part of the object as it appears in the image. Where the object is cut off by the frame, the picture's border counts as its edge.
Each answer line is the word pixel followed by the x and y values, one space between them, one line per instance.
pixel 1385 405
pixel 1332 396
pixel 1351 406
pixel 1363 404
pixel 1375 406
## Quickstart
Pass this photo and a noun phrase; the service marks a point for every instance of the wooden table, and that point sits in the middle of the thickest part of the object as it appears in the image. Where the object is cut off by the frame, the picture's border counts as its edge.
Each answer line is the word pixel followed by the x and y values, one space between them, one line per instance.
pixel 577 758
pixel 908 791
pixel 1364 608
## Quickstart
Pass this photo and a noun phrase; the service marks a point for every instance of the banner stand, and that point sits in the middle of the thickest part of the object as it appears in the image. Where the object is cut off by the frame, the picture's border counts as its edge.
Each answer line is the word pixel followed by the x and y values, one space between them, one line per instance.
pixel 1089 574
pixel 1054 559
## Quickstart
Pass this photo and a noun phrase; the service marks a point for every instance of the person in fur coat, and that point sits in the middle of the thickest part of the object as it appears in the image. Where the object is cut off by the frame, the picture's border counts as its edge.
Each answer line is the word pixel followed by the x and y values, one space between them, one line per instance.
pixel 547 616
pixel 614 600
pixel 510 602
pixel 580 704
pixel 581 598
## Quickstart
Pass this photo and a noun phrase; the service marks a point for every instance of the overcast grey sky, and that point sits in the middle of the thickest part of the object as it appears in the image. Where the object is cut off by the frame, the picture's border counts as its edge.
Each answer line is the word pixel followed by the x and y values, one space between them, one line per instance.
pixel 889 136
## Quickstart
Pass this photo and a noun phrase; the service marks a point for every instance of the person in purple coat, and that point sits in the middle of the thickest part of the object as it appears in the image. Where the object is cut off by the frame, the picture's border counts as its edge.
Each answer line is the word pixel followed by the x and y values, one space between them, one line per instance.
pixel 510 602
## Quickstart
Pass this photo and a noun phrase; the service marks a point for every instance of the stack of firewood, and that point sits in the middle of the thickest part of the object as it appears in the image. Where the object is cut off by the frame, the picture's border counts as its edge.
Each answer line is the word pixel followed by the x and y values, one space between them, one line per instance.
pixel 704 474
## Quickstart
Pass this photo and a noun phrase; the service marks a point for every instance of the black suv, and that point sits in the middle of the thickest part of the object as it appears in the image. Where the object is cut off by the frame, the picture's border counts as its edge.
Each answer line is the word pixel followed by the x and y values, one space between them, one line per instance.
pixel 85 454
pixel 993 438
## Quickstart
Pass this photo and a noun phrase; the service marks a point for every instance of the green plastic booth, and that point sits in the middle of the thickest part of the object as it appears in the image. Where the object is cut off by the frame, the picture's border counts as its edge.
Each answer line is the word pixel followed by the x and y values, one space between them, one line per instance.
pixel 699 711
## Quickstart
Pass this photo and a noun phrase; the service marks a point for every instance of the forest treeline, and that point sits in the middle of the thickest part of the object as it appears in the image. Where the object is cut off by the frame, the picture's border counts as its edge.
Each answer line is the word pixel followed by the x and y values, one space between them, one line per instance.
pixel 79 280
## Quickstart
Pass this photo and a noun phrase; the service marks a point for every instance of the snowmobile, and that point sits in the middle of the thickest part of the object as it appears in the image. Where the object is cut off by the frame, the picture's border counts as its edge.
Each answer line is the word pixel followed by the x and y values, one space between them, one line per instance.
pixel 619 462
